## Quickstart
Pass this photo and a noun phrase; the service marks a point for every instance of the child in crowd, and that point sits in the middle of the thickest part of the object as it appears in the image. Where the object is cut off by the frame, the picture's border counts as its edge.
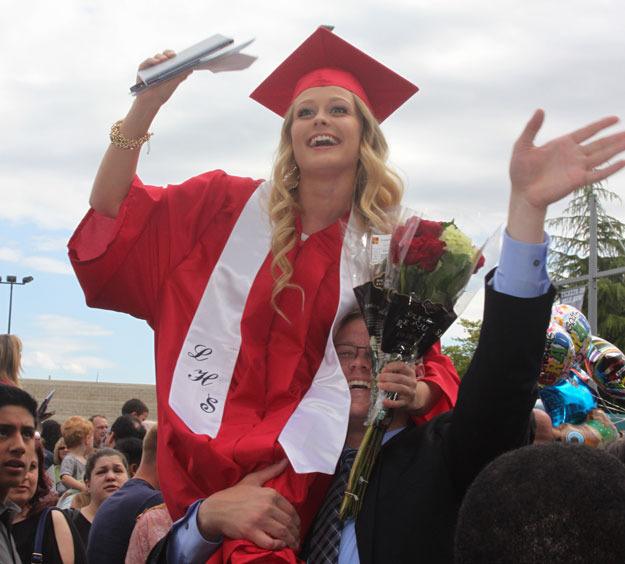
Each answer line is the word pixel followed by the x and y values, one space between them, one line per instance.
pixel 78 436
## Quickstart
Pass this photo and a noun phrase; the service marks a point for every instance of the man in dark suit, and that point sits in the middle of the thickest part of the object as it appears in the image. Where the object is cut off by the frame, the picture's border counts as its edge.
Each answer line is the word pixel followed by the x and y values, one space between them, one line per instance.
pixel 422 472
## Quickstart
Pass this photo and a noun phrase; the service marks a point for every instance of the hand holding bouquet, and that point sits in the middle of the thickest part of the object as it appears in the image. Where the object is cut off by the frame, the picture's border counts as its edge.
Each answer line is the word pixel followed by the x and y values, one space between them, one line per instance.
pixel 414 279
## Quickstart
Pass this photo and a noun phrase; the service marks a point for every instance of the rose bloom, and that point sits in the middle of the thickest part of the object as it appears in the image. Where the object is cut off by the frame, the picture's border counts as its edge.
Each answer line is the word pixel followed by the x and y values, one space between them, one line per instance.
pixel 429 228
pixel 425 252
pixel 425 229
pixel 397 242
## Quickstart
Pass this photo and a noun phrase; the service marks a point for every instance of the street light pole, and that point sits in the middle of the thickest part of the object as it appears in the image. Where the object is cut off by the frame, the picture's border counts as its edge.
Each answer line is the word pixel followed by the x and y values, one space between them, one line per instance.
pixel 10 308
pixel 12 281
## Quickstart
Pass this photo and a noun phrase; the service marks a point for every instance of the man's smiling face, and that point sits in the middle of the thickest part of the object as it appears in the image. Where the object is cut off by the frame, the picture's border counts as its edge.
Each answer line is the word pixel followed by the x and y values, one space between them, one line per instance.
pixel 352 347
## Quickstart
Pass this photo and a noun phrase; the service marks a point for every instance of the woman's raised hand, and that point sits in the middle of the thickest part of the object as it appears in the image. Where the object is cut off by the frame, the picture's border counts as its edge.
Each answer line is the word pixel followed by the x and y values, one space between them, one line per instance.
pixel 543 175
pixel 158 95
pixel 118 166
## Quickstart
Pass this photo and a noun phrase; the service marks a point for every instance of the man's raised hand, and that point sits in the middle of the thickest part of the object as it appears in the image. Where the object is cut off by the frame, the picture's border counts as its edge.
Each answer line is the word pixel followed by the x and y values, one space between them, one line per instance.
pixel 542 175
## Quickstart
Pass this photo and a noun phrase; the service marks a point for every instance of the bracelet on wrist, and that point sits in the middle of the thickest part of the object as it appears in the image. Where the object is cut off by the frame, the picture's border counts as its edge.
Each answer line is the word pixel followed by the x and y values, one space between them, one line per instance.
pixel 121 142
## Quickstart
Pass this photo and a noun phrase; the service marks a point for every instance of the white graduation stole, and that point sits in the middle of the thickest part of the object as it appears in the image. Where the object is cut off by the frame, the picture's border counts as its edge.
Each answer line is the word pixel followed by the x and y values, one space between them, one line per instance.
pixel 313 436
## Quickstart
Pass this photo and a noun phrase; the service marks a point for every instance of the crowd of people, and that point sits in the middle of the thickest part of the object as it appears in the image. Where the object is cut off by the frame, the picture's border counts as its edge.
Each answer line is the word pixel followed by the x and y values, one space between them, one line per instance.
pixel 565 499
pixel 264 368
pixel 69 471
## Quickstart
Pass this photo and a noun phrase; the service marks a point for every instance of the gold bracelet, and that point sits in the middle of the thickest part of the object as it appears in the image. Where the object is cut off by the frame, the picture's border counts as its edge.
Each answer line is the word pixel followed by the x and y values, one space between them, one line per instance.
pixel 118 140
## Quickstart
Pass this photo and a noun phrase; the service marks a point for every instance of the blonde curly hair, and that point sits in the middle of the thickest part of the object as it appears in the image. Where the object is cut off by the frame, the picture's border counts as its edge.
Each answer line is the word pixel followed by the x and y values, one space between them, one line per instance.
pixel 377 190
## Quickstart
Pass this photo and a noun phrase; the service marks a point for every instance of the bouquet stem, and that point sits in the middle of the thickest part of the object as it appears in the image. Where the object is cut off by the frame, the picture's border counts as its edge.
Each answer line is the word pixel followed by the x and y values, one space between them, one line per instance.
pixel 362 468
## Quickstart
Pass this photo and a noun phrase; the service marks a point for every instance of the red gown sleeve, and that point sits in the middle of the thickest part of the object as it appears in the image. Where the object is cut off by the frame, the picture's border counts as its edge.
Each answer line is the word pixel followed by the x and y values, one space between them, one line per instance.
pixel 439 370
pixel 121 262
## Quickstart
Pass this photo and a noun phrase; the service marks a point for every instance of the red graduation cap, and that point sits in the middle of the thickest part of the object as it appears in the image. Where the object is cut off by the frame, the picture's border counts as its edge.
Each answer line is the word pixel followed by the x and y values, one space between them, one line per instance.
pixel 325 59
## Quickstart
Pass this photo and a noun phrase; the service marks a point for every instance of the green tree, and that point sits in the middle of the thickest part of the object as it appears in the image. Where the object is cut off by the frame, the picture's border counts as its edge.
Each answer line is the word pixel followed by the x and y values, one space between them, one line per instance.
pixel 570 249
pixel 462 351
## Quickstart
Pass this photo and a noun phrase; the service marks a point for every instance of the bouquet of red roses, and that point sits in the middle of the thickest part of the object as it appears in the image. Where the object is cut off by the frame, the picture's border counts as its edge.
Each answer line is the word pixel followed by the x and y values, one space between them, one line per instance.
pixel 415 277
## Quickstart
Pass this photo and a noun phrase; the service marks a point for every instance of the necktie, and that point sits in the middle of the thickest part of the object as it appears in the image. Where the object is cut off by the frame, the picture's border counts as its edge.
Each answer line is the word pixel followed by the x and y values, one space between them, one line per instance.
pixel 325 539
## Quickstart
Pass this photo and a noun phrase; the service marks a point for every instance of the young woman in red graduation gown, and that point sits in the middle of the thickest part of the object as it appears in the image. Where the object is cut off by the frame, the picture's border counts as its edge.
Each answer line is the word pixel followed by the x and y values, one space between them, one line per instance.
pixel 243 281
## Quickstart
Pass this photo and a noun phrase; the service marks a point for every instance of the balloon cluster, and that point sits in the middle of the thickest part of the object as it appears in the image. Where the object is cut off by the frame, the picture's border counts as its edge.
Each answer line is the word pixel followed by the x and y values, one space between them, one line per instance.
pixel 606 364
pixel 574 364
pixel 568 341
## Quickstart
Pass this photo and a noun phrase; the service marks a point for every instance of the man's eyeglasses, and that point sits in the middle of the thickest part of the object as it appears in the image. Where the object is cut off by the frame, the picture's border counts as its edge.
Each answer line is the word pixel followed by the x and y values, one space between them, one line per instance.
pixel 348 352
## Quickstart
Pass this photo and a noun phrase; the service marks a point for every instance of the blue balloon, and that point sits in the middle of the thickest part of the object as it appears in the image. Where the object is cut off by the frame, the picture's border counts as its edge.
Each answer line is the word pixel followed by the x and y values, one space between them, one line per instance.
pixel 568 401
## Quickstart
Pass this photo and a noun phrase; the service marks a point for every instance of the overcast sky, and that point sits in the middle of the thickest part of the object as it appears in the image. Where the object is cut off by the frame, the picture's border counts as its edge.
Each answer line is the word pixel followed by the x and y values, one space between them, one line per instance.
pixel 482 67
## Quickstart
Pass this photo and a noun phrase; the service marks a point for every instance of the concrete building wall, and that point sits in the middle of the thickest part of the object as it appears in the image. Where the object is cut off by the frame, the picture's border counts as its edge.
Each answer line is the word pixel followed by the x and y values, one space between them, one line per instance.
pixel 90 398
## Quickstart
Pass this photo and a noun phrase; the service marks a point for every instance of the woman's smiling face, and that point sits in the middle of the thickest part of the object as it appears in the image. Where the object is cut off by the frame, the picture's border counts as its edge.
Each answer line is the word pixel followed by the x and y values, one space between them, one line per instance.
pixel 326 131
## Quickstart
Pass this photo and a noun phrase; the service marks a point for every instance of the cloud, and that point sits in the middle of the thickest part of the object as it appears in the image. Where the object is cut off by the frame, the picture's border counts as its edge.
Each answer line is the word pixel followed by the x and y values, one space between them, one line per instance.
pixel 47 243
pixel 53 362
pixel 47 264
pixel 10 255
pixel 51 199
pixel 69 326
pixel 482 67
pixel 34 262
pixel 64 345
